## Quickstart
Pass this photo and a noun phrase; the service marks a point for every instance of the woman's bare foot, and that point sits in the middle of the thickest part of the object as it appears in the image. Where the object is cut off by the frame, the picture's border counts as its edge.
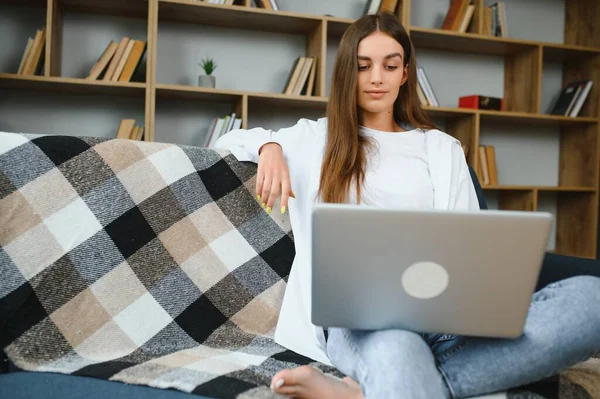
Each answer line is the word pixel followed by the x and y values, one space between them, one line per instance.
pixel 309 382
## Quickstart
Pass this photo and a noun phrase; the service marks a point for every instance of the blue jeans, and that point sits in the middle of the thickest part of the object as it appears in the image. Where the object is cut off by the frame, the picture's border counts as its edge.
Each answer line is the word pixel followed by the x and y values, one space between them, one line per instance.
pixel 562 329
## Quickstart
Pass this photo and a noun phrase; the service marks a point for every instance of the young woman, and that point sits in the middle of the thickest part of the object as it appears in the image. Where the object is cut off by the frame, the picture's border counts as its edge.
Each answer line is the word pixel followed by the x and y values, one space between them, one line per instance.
pixel 377 147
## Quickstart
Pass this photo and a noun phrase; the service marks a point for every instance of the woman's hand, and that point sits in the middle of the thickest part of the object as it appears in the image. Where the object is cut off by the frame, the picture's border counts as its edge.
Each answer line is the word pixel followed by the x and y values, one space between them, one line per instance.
pixel 273 177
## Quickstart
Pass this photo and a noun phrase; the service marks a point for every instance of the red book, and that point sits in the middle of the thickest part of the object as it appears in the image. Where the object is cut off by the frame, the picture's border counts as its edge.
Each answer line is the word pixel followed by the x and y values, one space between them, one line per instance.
pixel 481 102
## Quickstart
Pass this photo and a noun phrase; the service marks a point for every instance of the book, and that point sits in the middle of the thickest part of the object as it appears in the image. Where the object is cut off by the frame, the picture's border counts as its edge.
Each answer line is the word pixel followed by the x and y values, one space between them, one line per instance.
pixel 388 6
pixel 466 20
pixel 25 55
pixel 582 95
pixel 495 19
pixel 481 102
pixel 490 154
pixel 103 61
pixel 308 90
pixel 121 65
pixel 484 167
pixel 565 99
pixel 35 54
pixel 115 59
pixel 220 126
pixel 125 127
pixel 294 75
pixel 133 61
pixel 487 21
pixel 306 67
pixel 455 14
pixel 371 7
pixel 421 95
pixel 427 89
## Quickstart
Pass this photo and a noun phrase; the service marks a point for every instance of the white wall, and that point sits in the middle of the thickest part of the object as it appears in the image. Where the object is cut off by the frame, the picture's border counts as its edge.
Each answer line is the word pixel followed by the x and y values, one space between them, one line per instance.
pixel 261 61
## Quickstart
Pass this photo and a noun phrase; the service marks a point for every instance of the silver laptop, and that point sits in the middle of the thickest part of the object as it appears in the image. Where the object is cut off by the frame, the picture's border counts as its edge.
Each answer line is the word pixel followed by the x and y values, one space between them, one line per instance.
pixel 452 272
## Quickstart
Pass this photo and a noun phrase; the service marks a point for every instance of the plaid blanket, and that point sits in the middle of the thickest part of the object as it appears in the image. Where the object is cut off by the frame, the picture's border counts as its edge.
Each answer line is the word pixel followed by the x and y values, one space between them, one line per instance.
pixel 152 264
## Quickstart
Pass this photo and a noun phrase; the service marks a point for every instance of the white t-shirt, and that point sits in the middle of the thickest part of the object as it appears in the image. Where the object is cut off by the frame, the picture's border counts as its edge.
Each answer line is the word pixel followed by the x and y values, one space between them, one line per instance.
pixel 397 174
pixel 419 155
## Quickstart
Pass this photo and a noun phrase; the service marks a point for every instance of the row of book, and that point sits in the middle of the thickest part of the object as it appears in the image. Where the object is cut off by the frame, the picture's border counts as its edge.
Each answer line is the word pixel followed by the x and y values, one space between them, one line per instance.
pixel 425 91
pixel 571 98
pixel 129 131
pixel 32 60
pixel 301 80
pixel 376 6
pixel 220 126
pixel 119 62
pixel 461 12
pixel 485 168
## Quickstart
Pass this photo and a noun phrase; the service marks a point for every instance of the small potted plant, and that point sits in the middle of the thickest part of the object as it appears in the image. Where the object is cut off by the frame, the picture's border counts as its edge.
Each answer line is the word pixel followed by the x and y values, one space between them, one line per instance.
pixel 207 80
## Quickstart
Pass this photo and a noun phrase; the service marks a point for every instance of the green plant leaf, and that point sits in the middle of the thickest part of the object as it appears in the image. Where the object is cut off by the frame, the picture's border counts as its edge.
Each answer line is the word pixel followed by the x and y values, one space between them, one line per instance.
pixel 209 65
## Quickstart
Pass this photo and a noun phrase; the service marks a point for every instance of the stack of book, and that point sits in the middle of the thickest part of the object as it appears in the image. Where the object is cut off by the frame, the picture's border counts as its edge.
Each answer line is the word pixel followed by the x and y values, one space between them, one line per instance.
pixel 129 131
pixel 33 54
pixel 376 6
pixel 119 62
pixel 220 126
pixel 301 80
pixel 425 92
pixel 486 169
pixel 459 16
pixel 571 98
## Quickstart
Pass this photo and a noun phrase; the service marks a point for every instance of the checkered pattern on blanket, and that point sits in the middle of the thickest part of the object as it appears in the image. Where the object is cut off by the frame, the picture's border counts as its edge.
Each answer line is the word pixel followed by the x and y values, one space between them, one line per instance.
pixel 140 262
pixel 144 263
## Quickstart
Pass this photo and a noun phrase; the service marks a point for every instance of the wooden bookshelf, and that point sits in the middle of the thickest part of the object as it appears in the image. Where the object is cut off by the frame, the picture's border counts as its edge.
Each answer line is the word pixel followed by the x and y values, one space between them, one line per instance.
pixel 237 17
pixel 534 118
pixel 71 85
pixel 577 191
pixel 538 188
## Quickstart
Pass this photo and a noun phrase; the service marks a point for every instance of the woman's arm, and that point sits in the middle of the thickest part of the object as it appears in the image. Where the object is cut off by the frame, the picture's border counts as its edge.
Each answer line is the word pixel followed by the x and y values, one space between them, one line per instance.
pixel 245 144
pixel 282 165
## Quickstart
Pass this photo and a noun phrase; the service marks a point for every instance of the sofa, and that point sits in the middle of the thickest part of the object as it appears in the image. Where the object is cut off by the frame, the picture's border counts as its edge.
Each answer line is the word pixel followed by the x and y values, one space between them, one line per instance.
pixel 132 269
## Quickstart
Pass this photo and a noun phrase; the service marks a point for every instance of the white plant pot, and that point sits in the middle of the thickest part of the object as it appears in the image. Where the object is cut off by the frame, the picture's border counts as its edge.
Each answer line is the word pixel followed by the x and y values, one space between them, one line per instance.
pixel 207 81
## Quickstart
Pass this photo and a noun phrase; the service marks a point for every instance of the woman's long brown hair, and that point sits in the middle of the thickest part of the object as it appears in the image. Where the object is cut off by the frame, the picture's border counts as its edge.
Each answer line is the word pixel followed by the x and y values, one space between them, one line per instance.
pixel 345 153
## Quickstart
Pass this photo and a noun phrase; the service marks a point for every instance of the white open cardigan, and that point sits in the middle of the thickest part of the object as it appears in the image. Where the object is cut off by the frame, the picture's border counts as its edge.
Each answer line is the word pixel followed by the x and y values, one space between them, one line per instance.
pixel 303 146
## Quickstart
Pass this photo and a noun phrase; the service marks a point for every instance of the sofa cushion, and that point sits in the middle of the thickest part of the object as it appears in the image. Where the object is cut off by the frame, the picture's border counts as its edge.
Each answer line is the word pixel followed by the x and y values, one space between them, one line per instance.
pixel 57 386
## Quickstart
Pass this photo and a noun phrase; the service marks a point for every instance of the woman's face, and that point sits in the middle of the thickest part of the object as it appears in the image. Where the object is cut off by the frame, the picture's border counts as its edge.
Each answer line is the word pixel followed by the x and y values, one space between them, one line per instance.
pixel 380 72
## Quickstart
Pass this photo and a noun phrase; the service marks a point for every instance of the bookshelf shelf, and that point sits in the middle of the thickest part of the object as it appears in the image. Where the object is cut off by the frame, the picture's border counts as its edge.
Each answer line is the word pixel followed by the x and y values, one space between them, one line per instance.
pixel 449 112
pixel 237 17
pixel 578 139
pixel 440 39
pixel 538 188
pixel 286 101
pixel 197 93
pixel 129 8
pixel 566 52
pixel 511 117
pixel 231 96
pixel 445 40
pixel 71 85
pixel 25 3
pixel 534 119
